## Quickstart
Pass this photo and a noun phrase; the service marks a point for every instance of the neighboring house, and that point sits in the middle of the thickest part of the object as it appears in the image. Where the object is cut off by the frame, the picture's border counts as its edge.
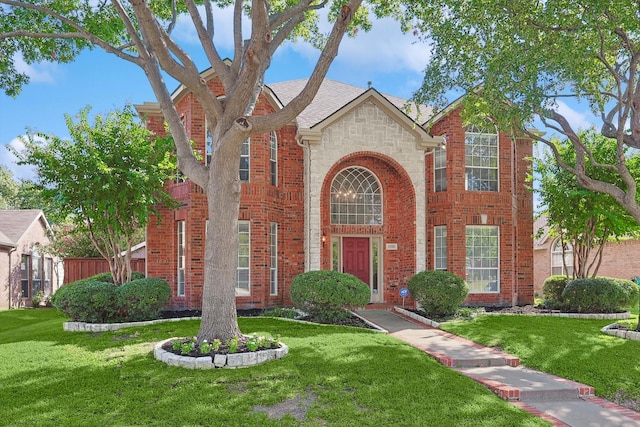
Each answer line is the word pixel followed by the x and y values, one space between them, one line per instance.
pixel 23 270
pixel 619 259
pixel 356 185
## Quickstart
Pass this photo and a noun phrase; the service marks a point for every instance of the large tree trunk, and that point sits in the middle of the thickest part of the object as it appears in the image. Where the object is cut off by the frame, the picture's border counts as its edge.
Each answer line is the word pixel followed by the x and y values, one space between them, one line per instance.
pixel 219 317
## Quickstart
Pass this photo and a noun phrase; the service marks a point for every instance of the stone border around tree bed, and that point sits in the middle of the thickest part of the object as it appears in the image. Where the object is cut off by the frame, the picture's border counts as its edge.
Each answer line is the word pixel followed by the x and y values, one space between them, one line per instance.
pixel 106 327
pixel 620 333
pixel 234 360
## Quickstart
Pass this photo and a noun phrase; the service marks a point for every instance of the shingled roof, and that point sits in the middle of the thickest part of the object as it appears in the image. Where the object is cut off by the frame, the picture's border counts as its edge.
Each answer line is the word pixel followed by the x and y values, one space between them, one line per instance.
pixel 14 223
pixel 332 96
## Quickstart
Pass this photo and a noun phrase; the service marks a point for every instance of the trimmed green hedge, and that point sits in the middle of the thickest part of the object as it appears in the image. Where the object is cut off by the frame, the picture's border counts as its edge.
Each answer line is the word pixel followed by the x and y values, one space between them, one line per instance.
pixel 552 291
pixel 108 278
pixel 94 301
pixel 327 295
pixel 600 295
pixel 439 293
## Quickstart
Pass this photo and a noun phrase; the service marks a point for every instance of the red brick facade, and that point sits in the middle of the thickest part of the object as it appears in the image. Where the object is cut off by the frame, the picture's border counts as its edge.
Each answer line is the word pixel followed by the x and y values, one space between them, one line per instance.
pixel 398 236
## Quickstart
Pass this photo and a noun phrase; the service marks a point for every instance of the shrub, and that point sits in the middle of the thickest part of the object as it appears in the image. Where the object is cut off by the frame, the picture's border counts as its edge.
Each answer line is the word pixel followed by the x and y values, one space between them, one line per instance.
pixel 552 291
pixel 438 292
pixel 107 278
pixel 598 295
pixel 87 300
pixel 631 290
pixel 142 299
pixel 326 295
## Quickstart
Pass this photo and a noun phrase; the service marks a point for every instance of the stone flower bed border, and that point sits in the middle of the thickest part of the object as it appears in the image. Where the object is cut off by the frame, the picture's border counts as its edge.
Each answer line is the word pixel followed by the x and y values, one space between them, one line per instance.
pixel 234 360
pixel 620 333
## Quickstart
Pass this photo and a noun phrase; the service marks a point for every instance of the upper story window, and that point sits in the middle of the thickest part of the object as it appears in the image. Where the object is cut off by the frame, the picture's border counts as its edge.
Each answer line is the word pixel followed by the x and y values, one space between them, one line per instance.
pixel 561 260
pixel 244 160
pixel 440 169
pixel 273 158
pixel 481 158
pixel 356 197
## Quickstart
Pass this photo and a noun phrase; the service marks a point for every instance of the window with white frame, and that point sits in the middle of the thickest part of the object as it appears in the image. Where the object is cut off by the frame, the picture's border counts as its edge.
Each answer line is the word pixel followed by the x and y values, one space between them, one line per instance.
pixel 481 159
pixel 483 259
pixel 25 275
pixel 561 260
pixel 244 256
pixel 244 160
pixel 273 262
pixel 440 247
pixel 182 243
pixel 208 144
pixel 36 275
pixel 440 169
pixel 356 197
pixel 273 158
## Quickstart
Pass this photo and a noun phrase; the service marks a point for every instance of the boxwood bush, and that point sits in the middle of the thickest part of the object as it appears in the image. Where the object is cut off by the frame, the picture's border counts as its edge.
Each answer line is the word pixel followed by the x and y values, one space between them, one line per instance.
pixel 142 299
pixel 599 295
pixel 107 278
pixel 552 289
pixel 327 295
pixel 439 293
pixel 94 301
pixel 87 300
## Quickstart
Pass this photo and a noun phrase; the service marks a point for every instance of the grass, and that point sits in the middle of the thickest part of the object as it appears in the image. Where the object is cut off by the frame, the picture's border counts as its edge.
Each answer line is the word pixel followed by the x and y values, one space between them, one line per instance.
pixel 570 348
pixel 358 377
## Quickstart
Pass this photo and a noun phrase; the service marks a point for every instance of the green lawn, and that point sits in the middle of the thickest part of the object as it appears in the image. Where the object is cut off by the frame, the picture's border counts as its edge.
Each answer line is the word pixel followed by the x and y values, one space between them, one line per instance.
pixel 570 348
pixel 357 377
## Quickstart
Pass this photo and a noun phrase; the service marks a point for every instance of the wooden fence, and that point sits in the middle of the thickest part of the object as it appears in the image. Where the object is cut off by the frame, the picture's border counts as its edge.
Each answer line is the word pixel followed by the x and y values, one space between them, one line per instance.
pixel 81 268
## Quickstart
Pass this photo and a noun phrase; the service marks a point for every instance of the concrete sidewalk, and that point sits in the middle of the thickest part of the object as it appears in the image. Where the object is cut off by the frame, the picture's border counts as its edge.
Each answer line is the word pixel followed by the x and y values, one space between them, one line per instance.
pixel 557 400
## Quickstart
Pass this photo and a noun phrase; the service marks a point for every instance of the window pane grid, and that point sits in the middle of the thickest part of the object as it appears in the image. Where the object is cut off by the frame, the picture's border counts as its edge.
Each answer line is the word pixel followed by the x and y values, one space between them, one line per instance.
pixel 482 259
pixel 273 158
pixel 440 247
pixel 273 278
pixel 244 251
pixel 440 169
pixel 356 197
pixel 181 258
pixel 481 160
pixel 244 161
pixel 557 264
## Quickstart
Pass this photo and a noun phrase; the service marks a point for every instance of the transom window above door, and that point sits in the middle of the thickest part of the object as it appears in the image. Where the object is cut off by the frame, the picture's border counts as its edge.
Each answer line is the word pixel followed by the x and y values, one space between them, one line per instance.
pixel 356 197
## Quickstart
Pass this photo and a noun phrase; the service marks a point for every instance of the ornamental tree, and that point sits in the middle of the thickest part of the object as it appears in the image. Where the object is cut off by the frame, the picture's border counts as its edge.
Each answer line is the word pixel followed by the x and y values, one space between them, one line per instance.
pixel 140 32
pixel 583 218
pixel 106 180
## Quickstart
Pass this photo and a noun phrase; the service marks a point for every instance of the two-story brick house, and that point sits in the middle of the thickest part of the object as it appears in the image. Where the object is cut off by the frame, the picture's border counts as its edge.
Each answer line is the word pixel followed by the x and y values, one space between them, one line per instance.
pixel 356 185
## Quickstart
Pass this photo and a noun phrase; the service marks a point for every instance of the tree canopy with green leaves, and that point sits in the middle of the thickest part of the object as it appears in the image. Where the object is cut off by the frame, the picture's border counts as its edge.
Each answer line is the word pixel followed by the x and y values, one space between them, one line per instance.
pixel 518 60
pixel 141 32
pixel 107 179
pixel 582 218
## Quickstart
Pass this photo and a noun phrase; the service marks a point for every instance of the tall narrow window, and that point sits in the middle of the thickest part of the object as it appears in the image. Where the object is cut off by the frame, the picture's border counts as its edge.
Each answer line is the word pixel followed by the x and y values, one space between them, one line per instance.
pixel 483 259
pixel 440 247
pixel 208 144
pixel 180 177
pixel 244 255
pixel 335 254
pixel 25 274
pixel 356 197
pixel 481 159
pixel 36 273
pixel 181 257
pixel 244 161
pixel 440 169
pixel 273 158
pixel 48 274
pixel 273 267
pixel 561 261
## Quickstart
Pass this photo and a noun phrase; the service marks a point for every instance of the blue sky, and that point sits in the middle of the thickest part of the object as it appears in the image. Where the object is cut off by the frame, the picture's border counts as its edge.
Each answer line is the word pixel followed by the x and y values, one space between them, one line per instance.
pixel 390 60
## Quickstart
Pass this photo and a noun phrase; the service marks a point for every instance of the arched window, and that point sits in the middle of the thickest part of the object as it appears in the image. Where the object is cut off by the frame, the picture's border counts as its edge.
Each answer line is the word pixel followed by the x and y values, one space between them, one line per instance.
pixel 356 197
pixel 557 265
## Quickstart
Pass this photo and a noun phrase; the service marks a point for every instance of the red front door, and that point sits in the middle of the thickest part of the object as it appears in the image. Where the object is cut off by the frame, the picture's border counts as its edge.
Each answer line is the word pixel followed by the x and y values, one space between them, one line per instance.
pixel 356 257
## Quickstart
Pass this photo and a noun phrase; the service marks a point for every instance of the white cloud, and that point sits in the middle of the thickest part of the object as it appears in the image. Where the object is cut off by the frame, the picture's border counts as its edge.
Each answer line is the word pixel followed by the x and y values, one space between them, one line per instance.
pixel 223 28
pixel 579 120
pixel 9 160
pixel 38 73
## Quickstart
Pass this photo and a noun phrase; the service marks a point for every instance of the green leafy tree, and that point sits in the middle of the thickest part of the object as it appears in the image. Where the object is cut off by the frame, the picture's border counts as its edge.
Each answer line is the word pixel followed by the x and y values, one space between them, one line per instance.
pixel 519 60
pixel 107 179
pixel 582 218
pixel 140 32
pixel 9 189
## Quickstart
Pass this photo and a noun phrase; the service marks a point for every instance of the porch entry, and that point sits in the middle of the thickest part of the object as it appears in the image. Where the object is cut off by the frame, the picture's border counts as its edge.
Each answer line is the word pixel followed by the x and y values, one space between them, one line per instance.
pixel 360 256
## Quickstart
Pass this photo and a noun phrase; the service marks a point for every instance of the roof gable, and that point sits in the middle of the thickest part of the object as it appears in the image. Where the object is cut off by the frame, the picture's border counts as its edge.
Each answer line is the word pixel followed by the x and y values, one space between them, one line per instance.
pixel 15 223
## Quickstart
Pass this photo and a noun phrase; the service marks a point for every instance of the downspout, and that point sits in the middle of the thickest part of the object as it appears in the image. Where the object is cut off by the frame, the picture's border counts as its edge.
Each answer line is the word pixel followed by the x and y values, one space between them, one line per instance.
pixel 10 287
pixel 307 197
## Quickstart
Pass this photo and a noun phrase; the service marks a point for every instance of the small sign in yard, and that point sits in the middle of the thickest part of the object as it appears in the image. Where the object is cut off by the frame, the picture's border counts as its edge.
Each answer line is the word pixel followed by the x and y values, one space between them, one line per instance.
pixel 404 292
